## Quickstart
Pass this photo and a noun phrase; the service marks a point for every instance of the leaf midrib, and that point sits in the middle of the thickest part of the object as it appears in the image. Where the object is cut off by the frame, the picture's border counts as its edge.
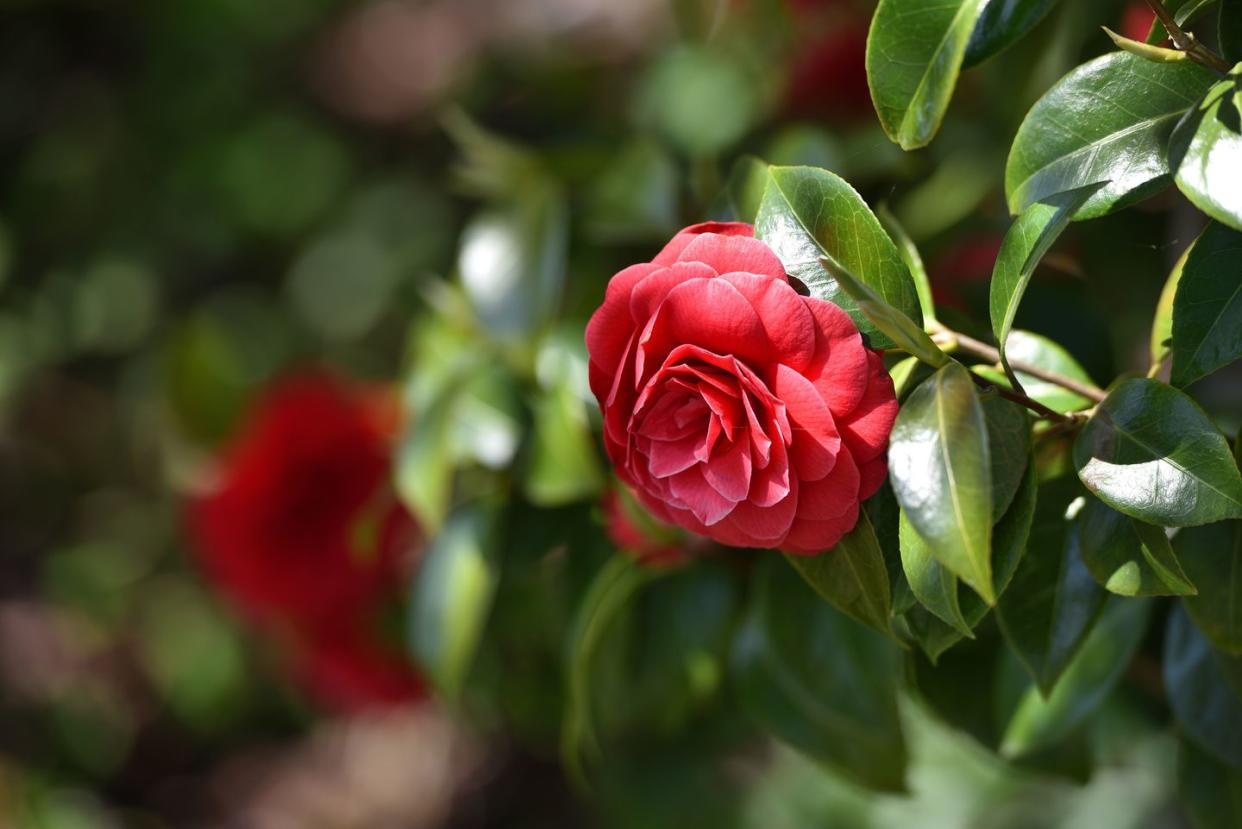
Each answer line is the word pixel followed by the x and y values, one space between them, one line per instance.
pixel 953 494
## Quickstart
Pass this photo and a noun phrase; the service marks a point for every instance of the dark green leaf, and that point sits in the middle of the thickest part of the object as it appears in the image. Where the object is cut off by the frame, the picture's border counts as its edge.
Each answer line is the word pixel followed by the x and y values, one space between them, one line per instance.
pixel 1029 238
pixel 1205 152
pixel 1128 557
pixel 941 473
pixel 1032 349
pixel 1184 11
pixel 884 513
pixel 1150 452
pixel 934 586
pixel 1040 722
pixel 1002 24
pixel 1210 790
pixel 453 597
pixel 1212 558
pixel 899 328
pixel 1207 310
pixel 807 214
pixel 914 55
pixel 1052 601
pixel 747 182
pixel 1201 692
pixel 1009 447
pixel 1108 120
pixel 914 262
pixel 820 681
pixel 852 576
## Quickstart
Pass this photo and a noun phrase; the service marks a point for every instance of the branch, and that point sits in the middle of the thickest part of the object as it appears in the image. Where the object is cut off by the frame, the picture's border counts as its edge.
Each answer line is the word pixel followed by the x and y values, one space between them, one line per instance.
pixel 1185 41
pixel 986 352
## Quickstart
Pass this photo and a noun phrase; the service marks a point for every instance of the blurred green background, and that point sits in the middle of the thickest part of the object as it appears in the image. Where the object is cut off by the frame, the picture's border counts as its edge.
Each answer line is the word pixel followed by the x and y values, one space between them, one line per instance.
pixel 199 195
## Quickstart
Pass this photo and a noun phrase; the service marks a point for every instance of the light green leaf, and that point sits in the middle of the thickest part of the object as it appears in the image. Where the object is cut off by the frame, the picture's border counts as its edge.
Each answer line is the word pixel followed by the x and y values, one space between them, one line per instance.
pixel 562 465
pixel 808 214
pixel 1040 722
pixel 1162 323
pixel 453 597
pixel 899 328
pixel 1205 152
pixel 1108 120
pixel 818 680
pixel 934 586
pixel 1032 349
pixel 1128 557
pixel 852 576
pixel 914 54
pixel 1052 601
pixel 1212 558
pixel 1200 685
pixel 1150 452
pixel 940 468
pixel 1147 51
pixel 1002 24
pixel 1207 310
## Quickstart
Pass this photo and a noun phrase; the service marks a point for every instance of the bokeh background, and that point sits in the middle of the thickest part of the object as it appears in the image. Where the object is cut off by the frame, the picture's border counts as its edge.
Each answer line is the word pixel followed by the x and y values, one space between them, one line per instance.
pixel 418 203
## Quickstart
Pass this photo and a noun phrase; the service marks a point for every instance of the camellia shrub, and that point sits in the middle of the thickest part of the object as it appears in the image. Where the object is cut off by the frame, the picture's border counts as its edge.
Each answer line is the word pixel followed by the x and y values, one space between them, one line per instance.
pixel 831 511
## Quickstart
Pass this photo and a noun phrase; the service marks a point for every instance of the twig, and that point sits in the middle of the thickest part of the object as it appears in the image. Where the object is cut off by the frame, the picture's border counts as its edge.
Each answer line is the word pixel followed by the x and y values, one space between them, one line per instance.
pixel 1185 41
pixel 1023 400
pixel 986 352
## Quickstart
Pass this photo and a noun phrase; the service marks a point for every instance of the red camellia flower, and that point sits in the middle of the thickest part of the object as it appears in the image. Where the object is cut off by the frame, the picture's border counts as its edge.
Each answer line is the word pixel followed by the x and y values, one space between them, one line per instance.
pixel 640 535
pixel 303 534
pixel 733 406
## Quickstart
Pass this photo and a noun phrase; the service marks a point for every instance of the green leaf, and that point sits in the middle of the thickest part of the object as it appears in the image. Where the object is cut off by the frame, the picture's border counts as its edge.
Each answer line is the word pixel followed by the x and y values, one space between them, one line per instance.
pixel 1032 349
pixel 1162 323
pixel 453 597
pixel 1150 452
pixel 1009 448
pixel 1207 310
pixel 610 591
pixel 941 473
pixel 1212 558
pixel 1108 120
pixel 1002 24
pixel 1052 601
pixel 852 576
pixel 1041 722
pixel 807 214
pixel 1147 51
pixel 1128 557
pixel 1205 152
pixel 562 465
pixel 1211 791
pixel 1229 30
pixel 914 54
pixel 934 586
pixel 1028 239
pixel 914 262
pixel 899 328
pixel 748 180
pixel 425 466
pixel 1200 685
pixel 818 680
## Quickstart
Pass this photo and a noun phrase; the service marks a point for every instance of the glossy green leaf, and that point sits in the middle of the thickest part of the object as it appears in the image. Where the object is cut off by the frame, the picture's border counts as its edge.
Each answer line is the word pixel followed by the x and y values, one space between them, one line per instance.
pixel 1201 690
pixel 1207 310
pixel 1128 557
pixel 914 261
pixel 1009 447
pixel 914 54
pixel 1108 120
pixel 852 576
pixel 940 469
pixel 808 214
pixel 1032 349
pixel 1003 23
pixel 1150 452
pixel 933 586
pixel 1205 152
pixel 1029 238
pixel 453 597
pixel 1040 722
pixel 1210 791
pixel 1162 323
pixel 1053 601
pixel 1212 558
pixel 612 589
pixel 899 328
pixel 820 681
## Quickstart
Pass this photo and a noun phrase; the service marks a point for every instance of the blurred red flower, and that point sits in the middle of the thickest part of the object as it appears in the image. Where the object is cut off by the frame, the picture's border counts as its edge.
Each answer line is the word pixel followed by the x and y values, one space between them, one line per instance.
pixel 637 533
pixel 302 531
pixel 349 668
pixel 1137 20
pixel 828 73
